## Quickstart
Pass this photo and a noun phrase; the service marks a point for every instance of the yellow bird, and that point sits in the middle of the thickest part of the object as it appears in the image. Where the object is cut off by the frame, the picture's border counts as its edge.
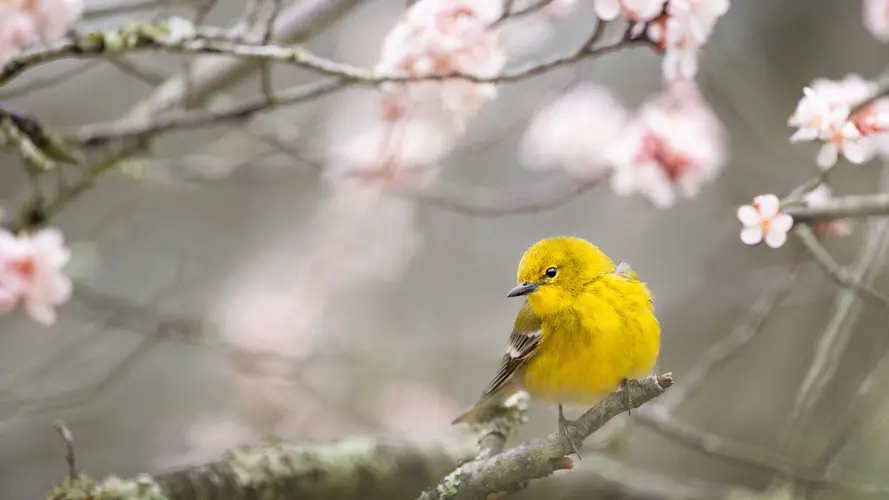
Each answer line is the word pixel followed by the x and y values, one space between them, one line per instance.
pixel 587 327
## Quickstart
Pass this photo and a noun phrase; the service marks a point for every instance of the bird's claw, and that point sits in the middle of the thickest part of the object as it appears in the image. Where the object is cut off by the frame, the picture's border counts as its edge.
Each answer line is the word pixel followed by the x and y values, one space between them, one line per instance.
pixel 565 430
pixel 628 398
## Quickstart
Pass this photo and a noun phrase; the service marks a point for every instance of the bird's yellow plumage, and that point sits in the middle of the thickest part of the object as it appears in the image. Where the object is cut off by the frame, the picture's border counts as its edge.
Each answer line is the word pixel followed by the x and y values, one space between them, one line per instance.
pixel 587 326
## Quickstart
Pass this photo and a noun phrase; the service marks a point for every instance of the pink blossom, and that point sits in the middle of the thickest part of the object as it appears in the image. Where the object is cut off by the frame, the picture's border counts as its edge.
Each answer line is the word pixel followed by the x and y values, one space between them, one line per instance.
pixel 876 18
pixel 576 132
pixel 824 114
pixel 674 147
pixel 684 31
pixel 442 37
pixel 845 141
pixel 26 22
pixel 763 220
pixel 851 90
pixel 30 271
pixel 816 115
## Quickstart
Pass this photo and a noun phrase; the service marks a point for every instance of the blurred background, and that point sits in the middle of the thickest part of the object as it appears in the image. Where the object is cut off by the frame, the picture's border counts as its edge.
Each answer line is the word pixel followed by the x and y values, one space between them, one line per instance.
pixel 391 322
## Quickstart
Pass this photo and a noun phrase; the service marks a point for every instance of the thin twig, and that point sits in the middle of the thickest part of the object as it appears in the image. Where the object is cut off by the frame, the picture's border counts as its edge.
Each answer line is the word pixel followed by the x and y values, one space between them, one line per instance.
pixel 68 438
pixel 731 345
pixel 833 269
pixel 835 337
pixel 743 454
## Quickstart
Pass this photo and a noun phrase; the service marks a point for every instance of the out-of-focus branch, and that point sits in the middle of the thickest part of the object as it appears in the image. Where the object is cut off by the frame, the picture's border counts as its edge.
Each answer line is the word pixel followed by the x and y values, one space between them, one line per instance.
pixel 743 454
pixel 172 120
pixel 616 480
pixel 544 195
pixel 833 269
pixel 732 344
pixel 295 24
pixel 357 468
pixel 179 35
pixel 512 469
pixel 842 206
pixel 835 338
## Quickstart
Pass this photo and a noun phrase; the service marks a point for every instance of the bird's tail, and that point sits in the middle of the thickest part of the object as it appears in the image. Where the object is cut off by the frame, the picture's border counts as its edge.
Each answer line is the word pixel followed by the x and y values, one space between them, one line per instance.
pixel 487 408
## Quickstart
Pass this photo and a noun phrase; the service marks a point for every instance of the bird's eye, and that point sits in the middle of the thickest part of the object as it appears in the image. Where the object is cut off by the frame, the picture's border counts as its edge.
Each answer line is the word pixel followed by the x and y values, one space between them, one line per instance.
pixel 551 272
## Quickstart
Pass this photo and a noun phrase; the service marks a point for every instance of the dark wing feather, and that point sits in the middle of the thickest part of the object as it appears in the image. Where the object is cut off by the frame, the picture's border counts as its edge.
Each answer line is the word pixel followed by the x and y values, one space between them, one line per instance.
pixel 523 342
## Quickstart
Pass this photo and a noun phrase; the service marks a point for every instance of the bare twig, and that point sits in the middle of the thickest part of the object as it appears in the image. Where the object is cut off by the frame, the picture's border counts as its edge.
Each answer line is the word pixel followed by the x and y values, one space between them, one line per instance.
pixel 835 338
pixel 842 206
pixel 720 352
pixel 133 38
pixel 68 438
pixel 743 454
pixel 833 269
pixel 543 195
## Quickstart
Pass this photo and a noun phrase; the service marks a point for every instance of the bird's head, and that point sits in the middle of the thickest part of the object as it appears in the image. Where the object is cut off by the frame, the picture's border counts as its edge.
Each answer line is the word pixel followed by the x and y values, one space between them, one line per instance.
pixel 554 271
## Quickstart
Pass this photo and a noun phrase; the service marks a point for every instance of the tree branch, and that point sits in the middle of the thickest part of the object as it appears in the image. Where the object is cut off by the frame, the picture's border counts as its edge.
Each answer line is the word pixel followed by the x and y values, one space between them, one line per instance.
pixel 179 35
pixel 357 468
pixel 842 206
pixel 833 269
pixel 512 469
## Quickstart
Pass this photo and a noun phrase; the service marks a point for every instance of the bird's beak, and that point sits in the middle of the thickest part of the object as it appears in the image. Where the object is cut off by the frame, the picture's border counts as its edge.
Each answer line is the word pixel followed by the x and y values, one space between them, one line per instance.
pixel 523 288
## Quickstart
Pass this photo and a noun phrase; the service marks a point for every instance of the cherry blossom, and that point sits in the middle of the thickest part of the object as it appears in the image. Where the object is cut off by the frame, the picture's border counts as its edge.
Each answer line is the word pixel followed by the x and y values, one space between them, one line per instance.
pixel 682 33
pixel 845 141
pixel 673 147
pixel 442 37
pixel 30 271
pixel 815 115
pixel 819 197
pixel 825 113
pixel 27 22
pixel 763 220
pixel 576 132
pixel 876 18
pixel 851 90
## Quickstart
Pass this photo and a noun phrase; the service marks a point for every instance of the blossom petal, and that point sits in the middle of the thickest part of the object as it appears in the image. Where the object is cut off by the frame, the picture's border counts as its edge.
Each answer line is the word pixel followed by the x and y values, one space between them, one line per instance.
pixel 782 222
pixel 804 134
pixel 768 205
pixel 850 131
pixel 751 235
pixel 775 238
pixel 827 156
pixel 40 311
pixel 855 152
pixel 607 10
pixel 748 216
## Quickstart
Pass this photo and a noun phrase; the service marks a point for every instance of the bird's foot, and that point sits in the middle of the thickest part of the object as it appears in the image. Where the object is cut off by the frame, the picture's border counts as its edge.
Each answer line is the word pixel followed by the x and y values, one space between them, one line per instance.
pixel 628 398
pixel 565 428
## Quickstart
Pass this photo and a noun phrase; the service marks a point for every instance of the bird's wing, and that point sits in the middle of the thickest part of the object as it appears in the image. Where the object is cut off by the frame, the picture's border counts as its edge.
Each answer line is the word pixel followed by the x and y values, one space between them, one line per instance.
pixel 523 342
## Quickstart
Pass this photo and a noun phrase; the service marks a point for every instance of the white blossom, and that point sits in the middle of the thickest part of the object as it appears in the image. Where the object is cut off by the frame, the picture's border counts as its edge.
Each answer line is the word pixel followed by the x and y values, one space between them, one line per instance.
pixel 764 221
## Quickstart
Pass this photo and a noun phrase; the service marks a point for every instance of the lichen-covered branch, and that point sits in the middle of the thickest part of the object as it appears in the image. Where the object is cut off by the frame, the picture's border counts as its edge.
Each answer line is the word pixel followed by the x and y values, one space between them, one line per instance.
pixel 513 468
pixel 356 468
pixel 359 468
